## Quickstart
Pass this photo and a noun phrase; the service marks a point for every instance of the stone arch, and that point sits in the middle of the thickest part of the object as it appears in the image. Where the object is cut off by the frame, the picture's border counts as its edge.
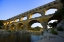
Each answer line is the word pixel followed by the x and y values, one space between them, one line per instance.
pixel 17 20
pixel 34 15
pixel 24 18
pixel 54 9
pixel 37 12
pixel 52 21
pixel 20 26
pixel 31 22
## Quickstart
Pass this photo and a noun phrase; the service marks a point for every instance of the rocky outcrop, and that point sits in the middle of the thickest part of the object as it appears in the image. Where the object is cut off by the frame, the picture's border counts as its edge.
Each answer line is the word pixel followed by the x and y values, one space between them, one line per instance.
pixel 61 24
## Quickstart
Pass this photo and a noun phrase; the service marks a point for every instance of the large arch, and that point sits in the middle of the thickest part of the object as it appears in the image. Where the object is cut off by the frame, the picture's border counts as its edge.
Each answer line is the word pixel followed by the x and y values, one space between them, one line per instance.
pixel 36 25
pixel 32 22
pixel 53 21
pixel 20 26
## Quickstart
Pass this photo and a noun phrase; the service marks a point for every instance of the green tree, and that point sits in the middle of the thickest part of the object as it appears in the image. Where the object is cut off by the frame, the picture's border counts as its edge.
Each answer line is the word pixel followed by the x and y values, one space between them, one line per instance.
pixel 1 24
pixel 37 28
pixel 62 1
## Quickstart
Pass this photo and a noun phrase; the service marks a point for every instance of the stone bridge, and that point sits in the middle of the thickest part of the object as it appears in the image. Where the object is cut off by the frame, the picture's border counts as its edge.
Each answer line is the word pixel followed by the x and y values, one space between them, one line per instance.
pixel 12 24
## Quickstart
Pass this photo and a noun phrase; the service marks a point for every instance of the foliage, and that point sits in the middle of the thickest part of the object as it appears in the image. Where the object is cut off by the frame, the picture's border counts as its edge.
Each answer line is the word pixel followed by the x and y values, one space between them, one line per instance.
pixel 62 1
pixel 59 13
pixel 60 28
pixel 36 28
pixel 1 23
pixel 54 32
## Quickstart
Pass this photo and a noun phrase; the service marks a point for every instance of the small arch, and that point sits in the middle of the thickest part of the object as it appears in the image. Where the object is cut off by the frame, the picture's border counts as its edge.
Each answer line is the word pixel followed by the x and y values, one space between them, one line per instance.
pixel 17 20
pixel 24 18
pixel 50 11
pixel 36 15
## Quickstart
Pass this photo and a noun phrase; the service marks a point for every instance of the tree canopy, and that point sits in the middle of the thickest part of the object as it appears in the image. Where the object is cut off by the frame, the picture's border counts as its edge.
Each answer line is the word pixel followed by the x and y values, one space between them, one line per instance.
pixel 1 23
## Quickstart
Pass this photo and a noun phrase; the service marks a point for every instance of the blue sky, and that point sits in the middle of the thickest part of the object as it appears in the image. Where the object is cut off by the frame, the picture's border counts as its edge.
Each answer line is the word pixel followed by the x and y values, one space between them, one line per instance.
pixel 11 8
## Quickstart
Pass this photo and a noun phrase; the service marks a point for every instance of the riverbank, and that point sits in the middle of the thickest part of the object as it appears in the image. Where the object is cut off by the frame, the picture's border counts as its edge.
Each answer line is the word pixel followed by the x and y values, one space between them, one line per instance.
pixel 48 37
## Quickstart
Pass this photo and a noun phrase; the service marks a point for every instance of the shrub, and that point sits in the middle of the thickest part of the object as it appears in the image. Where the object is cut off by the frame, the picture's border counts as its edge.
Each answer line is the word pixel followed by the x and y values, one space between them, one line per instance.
pixel 60 28
pixel 54 32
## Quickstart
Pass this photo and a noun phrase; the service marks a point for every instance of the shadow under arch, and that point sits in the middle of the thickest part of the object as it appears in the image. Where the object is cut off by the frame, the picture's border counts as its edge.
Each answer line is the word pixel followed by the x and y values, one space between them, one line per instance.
pixel 55 18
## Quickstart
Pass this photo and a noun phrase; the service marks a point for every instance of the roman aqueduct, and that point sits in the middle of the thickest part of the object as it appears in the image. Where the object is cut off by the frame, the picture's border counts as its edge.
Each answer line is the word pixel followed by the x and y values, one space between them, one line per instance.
pixel 11 23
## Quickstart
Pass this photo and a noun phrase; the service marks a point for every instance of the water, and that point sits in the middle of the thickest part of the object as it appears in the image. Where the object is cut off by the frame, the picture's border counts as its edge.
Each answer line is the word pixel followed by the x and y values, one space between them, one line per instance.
pixel 18 37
